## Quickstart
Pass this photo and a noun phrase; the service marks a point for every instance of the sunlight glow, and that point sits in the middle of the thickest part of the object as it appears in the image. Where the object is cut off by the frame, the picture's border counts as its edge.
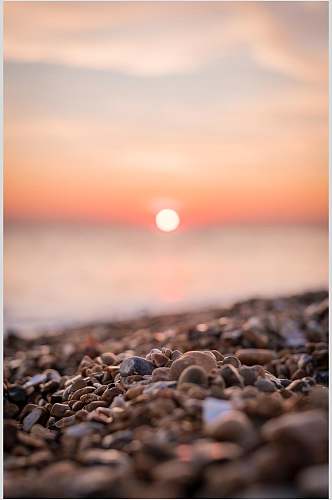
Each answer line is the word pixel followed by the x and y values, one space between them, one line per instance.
pixel 167 220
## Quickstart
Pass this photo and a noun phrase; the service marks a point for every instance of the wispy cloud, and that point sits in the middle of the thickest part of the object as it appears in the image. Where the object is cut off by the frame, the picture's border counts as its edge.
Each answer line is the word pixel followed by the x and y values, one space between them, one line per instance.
pixel 153 39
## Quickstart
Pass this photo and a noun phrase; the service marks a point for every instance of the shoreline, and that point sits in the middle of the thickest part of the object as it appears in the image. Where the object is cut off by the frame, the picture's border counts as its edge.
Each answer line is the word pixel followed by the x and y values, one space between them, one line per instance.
pixel 215 403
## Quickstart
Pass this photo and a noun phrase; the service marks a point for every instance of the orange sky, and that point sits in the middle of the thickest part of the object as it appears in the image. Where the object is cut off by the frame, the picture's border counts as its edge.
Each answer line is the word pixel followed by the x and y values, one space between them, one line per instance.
pixel 219 110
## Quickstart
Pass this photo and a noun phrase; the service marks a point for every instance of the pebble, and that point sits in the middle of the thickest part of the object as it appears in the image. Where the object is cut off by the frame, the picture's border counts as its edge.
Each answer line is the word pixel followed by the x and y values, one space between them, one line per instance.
pixel 136 365
pixel 108 358
pixel 231 375
pixel 194 375
pixel 232 426
pixel 231 360
pixel 205 360
pixel 255 356
pixel 32 418
pixel 306 431
pixel 162 373
pixel 265 385
pixel 59 410
pixel 213 408
pixel 17 394
pixel 205 424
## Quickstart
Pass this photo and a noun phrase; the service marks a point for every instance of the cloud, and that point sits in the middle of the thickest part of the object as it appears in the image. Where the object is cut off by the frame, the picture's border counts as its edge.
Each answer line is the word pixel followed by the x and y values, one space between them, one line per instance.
pixel 157 39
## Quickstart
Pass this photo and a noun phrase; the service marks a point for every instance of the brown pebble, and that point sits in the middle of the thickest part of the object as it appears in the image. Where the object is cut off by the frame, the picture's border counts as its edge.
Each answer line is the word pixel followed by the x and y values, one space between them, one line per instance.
pixel 194 375
pixel 80 392
pixel 59 410
pixel 108 358
pixel 231 360
pixel 134 391
pixel 65 422
pixel 265 385
pixel 255 356
pixel 109 394
pixel 231 375
pixel 231 426
pixel 95 404
pixel 160 374
pixel 88 398
pixel 204 359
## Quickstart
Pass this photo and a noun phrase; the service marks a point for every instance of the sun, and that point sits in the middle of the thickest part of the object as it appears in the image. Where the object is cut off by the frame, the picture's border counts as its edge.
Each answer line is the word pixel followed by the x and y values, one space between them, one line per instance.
pixel 167 220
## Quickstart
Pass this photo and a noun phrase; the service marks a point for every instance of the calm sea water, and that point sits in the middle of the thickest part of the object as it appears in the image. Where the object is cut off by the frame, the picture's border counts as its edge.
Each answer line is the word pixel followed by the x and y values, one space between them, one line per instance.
pixel 59 275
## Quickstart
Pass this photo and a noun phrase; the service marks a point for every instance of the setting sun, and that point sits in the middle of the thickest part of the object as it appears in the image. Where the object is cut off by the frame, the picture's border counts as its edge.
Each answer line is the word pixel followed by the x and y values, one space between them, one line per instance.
pixel 167 220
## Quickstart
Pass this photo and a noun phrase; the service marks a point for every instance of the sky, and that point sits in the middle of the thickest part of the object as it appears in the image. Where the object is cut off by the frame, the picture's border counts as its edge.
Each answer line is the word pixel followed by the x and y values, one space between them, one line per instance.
pixel 116 110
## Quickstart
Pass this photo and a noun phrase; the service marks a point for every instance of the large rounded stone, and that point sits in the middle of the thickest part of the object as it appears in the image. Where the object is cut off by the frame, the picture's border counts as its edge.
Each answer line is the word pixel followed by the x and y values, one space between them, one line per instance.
pixel 199 358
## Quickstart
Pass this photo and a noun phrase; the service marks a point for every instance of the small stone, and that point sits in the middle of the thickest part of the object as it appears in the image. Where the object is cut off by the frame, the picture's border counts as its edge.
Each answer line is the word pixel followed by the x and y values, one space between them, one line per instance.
pixel 136 365
pixel 110 393
pixel 255 356
pixel 134 391
pixel 204 359
pixel 32 418
pixel 265 385
pixel 59 410
pixel 78 384
pixel 159 359
pixel 81 392
pixel 38 379
pixel 160 374
pixel 232 426
pixel 108 358
pixel 231 360
pixel 214 408
pixel 65 422
pixel 194 375
pixel 249 374
pixel 217 355
pixel 17 394
pixel 231 375
pixel 95 404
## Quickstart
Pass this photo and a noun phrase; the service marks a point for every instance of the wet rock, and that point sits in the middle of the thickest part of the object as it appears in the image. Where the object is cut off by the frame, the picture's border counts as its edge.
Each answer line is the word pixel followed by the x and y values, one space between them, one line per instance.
pixel 194 375
pixel 205 360
pixel 136 365
pixel 255 356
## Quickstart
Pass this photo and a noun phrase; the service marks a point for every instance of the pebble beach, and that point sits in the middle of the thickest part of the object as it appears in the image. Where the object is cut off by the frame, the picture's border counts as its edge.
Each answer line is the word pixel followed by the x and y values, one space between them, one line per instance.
pixel 224 403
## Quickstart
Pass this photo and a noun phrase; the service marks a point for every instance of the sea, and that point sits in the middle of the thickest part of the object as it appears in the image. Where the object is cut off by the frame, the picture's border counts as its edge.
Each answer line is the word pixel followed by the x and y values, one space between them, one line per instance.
pixel 63 275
